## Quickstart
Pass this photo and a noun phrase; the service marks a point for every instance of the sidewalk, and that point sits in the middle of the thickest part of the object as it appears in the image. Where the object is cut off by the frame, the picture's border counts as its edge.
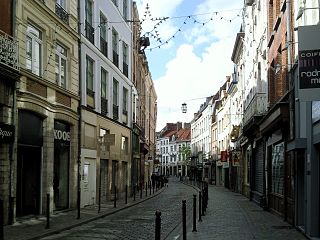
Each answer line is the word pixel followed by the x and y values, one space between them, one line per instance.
pixel 35 227
pixel 230 216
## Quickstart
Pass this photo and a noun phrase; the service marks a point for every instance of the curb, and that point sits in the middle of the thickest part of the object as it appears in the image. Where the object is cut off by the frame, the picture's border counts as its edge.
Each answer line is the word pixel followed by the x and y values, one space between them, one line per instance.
pixel 55 231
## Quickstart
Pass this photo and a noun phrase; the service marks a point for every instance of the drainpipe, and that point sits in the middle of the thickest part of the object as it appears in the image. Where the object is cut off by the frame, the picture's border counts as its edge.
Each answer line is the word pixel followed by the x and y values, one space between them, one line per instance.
pixel 291 92
pixel 80 121
pixel 12 155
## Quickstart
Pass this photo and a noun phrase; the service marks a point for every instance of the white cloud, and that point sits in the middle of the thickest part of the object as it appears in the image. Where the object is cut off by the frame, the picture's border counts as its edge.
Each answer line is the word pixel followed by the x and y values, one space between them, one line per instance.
pixel 188 77
pixel 191 75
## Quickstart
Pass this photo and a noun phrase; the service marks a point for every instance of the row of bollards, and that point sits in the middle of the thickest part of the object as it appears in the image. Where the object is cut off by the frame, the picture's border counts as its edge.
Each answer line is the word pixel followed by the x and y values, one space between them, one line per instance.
pixel 203 204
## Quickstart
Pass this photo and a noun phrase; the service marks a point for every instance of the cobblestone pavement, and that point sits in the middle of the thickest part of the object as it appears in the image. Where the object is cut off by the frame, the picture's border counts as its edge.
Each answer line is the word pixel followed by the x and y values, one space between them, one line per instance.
pixel 232 216
pixel 137 222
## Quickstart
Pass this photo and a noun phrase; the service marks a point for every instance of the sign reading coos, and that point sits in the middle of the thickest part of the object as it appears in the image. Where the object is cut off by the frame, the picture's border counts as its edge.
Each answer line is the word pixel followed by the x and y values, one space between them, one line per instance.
pixel 61 135
pixel 61 131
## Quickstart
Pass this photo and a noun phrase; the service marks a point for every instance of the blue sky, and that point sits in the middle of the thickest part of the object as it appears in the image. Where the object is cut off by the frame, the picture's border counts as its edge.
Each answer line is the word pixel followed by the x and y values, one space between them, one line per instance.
pixel 195 63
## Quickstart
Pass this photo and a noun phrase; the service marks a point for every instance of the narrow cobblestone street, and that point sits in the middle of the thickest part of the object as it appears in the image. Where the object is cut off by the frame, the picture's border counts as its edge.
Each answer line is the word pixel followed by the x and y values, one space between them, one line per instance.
pixel 137 222
pixel 229 216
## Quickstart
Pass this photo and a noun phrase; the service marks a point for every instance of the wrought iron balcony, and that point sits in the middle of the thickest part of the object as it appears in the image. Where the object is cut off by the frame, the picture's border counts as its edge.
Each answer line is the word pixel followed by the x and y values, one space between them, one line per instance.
pixel 9 51
pixel 125 69
pixel 115 112
pixel 104 46
pixel 62 14
pixel 115 58
pixel 89 31
pixel 257 107
pixel 104 106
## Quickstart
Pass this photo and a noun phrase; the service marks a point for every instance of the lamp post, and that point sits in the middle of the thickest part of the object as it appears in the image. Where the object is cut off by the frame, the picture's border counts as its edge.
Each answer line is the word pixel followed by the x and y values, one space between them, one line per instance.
pixel 184 108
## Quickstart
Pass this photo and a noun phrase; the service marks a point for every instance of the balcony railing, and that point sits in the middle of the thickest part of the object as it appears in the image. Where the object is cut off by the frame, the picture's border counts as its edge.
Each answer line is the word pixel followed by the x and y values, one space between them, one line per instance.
pixel 115 58
pixel 89 32
pixel 62 14
pixel 104 46
pixel 257 107
pixel 115 112
pixel 125 69
pixel 9 51
pixel 104 106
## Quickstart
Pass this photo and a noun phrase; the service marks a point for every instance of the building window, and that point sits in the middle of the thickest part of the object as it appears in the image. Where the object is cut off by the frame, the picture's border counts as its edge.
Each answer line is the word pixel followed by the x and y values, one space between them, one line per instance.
pixel 61 65
pixel 89 74
pixel 33 50
pixel 89 30
pixel 61 11
pixel 104 91
pixel 103 35
pixel 125 9
pixel 115 92
pixel 125 100
pixel 124 144
pixel 115 40
pixel 125 59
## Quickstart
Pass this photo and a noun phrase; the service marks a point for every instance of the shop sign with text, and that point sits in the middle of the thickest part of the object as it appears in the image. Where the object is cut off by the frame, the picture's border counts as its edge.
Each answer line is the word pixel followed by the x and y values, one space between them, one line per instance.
pixel 6 133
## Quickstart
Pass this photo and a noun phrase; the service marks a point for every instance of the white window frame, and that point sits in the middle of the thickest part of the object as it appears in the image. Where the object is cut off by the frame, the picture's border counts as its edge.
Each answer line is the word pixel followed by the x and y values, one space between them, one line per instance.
pixel 33 36
pixel 106 82
pixel 61 57
pixel 89 59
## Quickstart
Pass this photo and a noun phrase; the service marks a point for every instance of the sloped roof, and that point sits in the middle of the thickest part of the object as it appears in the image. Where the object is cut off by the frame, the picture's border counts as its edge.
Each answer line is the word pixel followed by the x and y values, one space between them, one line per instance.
pixel 183 134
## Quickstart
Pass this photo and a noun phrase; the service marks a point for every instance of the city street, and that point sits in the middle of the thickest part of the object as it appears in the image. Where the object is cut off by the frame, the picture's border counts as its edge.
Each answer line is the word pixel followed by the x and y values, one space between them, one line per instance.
pixel 137 222
pixel 229 216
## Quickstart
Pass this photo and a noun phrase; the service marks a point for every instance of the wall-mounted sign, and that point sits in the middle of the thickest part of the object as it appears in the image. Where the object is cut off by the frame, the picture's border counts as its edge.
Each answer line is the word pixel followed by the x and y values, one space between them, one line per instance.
pixel 308 82
pixel 6 133
pixel 309 69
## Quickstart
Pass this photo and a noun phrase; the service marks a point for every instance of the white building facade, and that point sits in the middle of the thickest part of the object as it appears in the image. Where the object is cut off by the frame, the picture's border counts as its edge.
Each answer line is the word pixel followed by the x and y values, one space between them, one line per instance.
pixel 106 98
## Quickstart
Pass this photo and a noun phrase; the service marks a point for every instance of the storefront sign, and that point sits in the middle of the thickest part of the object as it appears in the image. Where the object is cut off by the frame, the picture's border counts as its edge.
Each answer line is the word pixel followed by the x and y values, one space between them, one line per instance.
pixel 309 69
pixel 308 83
pixel 6 133
pixel 61 131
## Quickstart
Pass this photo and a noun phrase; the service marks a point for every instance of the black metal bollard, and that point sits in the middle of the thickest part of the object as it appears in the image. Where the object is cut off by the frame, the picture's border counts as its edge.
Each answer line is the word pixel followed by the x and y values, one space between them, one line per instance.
pixel 1 220
pixel 150 188
pixel 184 220
pixel 126 196
pixel 158 225
pixel 78 202
pixel 134 192
pixel 48 211
pixel 200 208
pixel 115 197
pixel 203 202
pixel 141 185
pixel 194 229
pixel 146 189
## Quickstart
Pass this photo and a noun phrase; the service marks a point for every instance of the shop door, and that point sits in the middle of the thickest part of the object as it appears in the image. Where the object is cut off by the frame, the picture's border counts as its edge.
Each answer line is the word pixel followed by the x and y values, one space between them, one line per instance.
pixel 61 176
pixel 88 182
pixel 226 177
pixel 28 180
pixel 104 180
pixel 289 188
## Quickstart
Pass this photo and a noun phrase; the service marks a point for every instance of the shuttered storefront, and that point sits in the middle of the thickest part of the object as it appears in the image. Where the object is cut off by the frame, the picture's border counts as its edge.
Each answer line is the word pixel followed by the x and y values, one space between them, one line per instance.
pixel 258 172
